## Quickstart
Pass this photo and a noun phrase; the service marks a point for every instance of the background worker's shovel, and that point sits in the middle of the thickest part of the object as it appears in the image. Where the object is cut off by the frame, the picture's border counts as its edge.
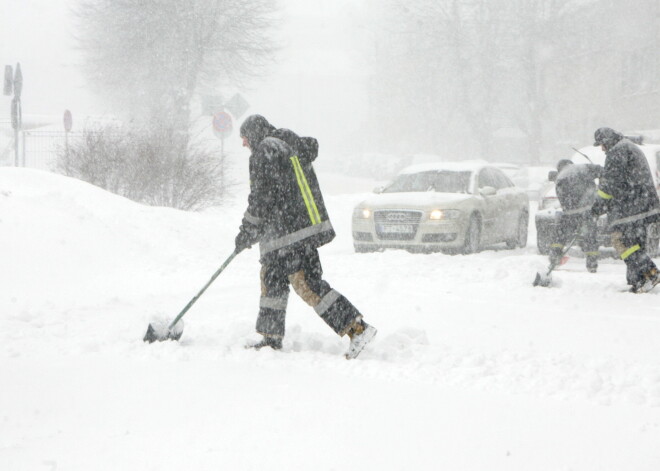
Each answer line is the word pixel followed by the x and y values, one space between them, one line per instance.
pixel 545 280
pixel 159 331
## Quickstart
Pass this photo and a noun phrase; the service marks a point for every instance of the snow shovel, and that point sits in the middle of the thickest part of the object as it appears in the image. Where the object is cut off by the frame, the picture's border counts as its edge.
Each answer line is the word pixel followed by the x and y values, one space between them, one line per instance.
pixel 160 331
pixel 546 279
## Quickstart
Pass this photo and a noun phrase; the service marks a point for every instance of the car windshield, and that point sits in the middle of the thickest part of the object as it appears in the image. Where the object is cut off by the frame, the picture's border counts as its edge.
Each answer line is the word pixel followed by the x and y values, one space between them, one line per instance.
pixel 444 181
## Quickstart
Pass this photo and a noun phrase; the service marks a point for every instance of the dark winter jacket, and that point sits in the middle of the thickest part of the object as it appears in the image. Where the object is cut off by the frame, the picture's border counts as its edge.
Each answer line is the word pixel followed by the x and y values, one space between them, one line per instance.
pixel 285 210
pixel 626 190
pixel 576 187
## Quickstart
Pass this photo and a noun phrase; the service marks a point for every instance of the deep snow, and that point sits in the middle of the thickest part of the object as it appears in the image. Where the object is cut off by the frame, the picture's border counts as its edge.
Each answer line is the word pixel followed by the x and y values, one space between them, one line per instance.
pixel 472 369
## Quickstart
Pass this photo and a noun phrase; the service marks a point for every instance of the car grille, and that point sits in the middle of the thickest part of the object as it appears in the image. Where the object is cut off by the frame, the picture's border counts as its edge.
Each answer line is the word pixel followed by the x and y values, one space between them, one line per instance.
pixel 397 225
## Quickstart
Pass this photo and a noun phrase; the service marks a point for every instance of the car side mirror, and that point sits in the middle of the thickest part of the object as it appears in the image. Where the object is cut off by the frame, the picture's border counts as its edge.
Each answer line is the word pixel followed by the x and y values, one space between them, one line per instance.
pixel 487 191
pixel 379 189
pixel 552 175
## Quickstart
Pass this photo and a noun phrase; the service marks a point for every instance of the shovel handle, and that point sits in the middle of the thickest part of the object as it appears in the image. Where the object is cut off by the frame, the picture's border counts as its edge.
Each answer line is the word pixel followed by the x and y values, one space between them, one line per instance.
pixel 193 300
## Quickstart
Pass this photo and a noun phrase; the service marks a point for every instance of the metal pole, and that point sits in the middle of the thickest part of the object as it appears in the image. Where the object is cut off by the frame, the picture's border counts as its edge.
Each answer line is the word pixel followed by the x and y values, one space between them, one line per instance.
pixel 16 110
pixel 16 160
pixel 16 124
pixel 20 131
pixel 23 146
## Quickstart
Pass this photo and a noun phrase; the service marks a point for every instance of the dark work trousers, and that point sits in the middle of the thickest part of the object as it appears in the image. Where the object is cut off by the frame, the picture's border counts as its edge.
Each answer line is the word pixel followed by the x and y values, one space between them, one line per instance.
pixel 585 227
pixel 629 240
pixel 302 270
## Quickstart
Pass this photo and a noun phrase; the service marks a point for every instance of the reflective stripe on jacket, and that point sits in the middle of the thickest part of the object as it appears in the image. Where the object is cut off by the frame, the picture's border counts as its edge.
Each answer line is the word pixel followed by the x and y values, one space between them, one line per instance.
pixel 285 197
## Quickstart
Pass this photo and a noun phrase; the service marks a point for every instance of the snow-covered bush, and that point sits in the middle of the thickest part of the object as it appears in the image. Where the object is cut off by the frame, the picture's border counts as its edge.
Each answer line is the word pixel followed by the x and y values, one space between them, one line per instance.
pixel 159 167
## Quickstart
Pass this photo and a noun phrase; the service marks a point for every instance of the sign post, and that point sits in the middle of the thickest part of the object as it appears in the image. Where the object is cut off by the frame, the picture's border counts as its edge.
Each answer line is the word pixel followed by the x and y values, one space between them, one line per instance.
pixel 222 120
pixel 8 86
pixel 15 83
pixel 68 123
pixel 222 127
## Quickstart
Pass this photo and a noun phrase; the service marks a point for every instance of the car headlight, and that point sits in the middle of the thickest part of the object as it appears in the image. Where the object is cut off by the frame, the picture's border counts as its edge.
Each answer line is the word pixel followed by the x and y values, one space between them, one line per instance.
pixel 362 213
pixel 441 214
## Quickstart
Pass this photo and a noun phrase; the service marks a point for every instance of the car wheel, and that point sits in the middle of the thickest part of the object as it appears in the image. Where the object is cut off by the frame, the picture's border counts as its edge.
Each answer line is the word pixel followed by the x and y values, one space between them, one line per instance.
pixel 472 236
pixel 521 233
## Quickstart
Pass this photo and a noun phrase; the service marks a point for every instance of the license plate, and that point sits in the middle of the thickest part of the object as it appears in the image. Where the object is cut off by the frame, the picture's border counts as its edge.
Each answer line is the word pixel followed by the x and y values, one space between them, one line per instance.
pixel 397 229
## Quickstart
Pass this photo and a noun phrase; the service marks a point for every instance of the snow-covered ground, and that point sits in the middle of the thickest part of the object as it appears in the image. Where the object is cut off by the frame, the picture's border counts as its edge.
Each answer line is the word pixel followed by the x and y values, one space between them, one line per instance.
pixel 473 367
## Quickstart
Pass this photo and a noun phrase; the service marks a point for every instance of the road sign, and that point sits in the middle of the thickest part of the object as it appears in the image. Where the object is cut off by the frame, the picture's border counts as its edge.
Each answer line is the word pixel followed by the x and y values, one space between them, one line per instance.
pixel 68 120
pixel 237 105
pixel 222 124
pixel 18 81
pixel 8 87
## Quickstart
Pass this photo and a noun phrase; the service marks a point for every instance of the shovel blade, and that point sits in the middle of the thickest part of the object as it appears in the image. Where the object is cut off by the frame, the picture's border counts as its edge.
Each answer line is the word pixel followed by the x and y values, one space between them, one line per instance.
pixel 542 280
pixel 160 331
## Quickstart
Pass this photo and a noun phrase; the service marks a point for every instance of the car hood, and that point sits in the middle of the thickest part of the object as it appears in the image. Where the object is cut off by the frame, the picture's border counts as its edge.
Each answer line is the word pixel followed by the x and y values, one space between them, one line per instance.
pixel 415 200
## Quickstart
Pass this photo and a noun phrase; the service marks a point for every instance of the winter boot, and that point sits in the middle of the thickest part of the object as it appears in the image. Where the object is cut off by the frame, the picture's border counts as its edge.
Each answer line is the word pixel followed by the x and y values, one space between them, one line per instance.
pixel 360 334
pixel 268 341
pixel 647 281
pixel 641 273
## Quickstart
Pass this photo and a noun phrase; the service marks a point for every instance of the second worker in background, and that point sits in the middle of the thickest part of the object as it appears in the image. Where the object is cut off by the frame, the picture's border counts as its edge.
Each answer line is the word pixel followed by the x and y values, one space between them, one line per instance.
pixel 576 190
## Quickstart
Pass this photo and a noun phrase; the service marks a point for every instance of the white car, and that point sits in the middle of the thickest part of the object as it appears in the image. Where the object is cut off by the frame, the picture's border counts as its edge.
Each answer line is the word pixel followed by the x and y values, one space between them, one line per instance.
pixel 451 206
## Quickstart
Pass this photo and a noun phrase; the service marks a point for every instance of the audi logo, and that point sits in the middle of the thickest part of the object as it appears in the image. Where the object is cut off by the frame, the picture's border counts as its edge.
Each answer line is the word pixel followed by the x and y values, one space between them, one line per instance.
pixel 396 217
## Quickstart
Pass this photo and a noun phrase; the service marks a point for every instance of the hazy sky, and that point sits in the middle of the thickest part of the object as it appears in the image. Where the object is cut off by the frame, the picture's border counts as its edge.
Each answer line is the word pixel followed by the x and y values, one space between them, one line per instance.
pixel 315 88
pixel 318 86
pixel 37 33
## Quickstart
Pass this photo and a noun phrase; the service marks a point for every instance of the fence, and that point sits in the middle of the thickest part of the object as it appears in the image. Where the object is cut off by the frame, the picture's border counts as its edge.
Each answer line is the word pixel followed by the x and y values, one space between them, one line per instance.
pixel 40 148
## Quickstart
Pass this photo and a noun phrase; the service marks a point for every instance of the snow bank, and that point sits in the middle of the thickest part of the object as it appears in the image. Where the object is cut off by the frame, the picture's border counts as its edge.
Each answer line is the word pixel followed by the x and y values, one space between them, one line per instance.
pixel 473 368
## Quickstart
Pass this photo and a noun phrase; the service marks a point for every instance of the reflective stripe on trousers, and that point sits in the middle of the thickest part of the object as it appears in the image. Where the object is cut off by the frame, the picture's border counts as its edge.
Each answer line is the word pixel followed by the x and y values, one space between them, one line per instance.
pixel 278 304
pixel 326 302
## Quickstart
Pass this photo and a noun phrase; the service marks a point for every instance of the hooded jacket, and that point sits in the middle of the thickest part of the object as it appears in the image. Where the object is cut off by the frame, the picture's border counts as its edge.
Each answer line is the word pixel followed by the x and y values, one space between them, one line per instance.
pixel 285 209
pixel 626 186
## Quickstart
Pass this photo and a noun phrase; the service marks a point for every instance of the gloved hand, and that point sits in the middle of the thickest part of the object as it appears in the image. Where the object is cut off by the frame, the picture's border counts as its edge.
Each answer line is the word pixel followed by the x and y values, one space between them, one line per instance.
pixel 599 207
pixel 248 234
pixel 242 241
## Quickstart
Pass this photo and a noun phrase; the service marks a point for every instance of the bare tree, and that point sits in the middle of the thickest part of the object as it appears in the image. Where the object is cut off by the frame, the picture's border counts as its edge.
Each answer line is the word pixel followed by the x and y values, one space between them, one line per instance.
pixel 481 50
pixel 439 68
pixel 536 24
pixel 149 57
pixel 484 63
pixel 413 105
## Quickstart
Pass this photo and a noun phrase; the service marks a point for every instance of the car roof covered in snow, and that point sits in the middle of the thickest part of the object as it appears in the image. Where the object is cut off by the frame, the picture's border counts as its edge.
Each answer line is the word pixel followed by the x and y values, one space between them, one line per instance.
pixel 505 165
pixel 457 166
